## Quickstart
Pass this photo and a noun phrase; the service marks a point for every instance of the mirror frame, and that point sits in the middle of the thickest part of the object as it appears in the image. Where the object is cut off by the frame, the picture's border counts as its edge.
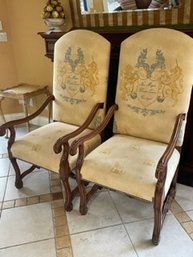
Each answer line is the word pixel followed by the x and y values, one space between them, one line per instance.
pixel 181 17
pixel 139 8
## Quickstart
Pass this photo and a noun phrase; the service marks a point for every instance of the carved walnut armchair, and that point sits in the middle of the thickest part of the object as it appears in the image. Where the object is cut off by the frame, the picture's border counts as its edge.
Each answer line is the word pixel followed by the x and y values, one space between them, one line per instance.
pixel 152 98
pixel 81 65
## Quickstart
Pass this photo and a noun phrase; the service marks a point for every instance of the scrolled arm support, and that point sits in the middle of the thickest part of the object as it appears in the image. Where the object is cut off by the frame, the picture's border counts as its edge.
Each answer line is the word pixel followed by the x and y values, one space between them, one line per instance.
pixel 62 140
pixel 162 164
pixel 76 143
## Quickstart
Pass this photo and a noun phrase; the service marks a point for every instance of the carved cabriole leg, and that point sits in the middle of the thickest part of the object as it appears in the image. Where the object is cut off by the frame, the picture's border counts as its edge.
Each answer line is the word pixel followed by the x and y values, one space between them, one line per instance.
pixel 64 171
pixel 158 205
pixel 161 206
pixel 157 221
pixel 68 194
pixel 18 177
pixel 81 183
pixel 83 198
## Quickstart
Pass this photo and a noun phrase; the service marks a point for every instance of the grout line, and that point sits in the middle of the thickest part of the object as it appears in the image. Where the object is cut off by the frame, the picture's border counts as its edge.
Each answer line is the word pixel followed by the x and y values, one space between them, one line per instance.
pixel 26 243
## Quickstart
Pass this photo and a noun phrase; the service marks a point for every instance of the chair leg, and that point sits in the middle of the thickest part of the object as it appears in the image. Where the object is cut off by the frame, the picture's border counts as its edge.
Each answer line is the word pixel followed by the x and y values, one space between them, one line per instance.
pixel 83 198
pixel 68 195
pixel 18 176
pixel 157 225
pixel 161 208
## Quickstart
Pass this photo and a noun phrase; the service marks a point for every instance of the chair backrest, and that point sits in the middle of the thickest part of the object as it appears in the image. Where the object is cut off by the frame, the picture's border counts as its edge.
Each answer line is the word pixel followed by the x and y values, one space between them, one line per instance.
pixel 154 83
pixel 81 66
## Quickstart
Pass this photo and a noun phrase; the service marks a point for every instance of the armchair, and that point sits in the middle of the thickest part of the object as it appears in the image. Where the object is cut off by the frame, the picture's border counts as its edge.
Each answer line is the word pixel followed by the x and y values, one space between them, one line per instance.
pixel 80 81
pixel 152 98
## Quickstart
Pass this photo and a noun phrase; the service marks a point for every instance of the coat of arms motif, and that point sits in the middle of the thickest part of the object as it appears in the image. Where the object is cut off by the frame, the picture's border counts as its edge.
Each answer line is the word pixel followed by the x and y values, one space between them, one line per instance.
pixel 76 77
pixel 149 83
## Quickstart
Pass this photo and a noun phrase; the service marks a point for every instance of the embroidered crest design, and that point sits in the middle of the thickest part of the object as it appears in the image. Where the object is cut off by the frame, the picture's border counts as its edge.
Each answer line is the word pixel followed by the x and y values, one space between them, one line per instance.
pixel 76 77
pixel 149 83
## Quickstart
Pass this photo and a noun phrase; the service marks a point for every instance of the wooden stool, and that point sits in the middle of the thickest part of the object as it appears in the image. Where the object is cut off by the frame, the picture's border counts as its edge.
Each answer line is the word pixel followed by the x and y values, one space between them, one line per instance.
pixel 23 92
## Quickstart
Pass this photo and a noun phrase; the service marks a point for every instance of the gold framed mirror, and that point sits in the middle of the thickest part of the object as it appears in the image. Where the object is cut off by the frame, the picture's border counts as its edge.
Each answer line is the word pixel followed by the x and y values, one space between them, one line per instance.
pixel 110 6
pixel 133 19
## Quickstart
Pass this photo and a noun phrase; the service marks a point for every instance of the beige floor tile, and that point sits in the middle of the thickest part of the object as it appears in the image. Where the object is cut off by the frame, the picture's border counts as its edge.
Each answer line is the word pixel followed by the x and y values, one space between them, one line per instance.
pixel 45 198
pixel 36 183
pixel 131 209
pixel 188 226
pixel 33 200
pixel 65 252
pixel 26 224
pixel 174 240
pixel 3 145
pixel 4 167
pixel 60 220
pixel 182 217
pixel 59 212
pixel 106 242
pixel 184 197
pixel 3 182
pixel 8 204
pixel 21 202
pixel 62 242
pixel 101 213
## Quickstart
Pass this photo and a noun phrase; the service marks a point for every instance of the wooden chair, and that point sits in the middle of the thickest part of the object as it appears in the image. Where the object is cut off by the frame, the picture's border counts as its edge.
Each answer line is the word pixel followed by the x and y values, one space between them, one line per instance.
pixel 81 65
pixel 152 98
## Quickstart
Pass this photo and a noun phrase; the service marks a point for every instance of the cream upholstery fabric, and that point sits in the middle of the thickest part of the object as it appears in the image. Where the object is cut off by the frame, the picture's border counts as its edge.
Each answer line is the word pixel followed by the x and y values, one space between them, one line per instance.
pixel 81 65
pixel 154 83
pixel 37 146
pixel 128 164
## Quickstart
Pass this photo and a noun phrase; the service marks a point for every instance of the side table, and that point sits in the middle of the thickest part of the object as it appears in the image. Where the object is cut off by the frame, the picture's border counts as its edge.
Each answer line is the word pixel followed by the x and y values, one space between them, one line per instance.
pixel 23 92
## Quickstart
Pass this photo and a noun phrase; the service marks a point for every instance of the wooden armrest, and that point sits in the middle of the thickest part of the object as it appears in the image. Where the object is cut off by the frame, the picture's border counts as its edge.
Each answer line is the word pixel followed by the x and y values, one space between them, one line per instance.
pixel 171 146
pixel 26 119
pixel 62 140
pixel 76 143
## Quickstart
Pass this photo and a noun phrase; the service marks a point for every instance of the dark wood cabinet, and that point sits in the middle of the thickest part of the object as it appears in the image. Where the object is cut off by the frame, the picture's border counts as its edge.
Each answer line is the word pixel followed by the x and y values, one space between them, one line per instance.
pixel 116 37
pixel 50 40
pixel 186 162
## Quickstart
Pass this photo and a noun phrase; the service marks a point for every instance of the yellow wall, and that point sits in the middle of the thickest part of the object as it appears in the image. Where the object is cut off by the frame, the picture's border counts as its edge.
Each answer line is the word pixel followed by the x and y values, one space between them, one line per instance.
pixel 22 56
pixel 7 64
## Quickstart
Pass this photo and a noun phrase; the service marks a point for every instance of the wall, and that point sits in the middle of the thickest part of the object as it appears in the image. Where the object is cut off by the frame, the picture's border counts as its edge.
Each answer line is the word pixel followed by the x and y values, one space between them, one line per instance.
pixel 22 56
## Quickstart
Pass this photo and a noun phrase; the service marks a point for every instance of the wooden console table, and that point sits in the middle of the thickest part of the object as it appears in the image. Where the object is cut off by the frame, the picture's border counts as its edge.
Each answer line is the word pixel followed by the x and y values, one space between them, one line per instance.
pixel 116 37
pixel 23 92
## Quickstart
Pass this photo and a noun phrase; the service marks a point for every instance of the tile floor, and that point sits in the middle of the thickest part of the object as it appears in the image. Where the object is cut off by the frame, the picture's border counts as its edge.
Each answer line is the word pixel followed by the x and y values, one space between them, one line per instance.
pixel 33 222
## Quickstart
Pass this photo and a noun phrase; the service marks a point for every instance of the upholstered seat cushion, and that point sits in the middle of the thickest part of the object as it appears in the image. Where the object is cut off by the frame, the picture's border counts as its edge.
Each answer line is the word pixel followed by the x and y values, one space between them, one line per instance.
pixel 37 146
pixel 114 161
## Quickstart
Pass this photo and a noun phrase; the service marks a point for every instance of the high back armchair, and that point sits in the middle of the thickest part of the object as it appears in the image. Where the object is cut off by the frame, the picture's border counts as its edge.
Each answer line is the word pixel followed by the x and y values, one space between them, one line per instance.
pixel 81 65
pixel 152 98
